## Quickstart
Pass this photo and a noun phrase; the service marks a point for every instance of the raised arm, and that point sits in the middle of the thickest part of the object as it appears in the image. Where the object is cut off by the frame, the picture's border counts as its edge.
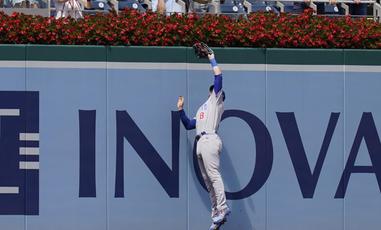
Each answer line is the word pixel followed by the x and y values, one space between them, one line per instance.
pixel 217 74
pixel 188 123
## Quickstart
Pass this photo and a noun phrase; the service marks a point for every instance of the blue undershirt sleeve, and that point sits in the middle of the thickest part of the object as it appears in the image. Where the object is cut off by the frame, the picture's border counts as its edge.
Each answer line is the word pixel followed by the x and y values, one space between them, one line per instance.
pixel 217 83
pixel 188 124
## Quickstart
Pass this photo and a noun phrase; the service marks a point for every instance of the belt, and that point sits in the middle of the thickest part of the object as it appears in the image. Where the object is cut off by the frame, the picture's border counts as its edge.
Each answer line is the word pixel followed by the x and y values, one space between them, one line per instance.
pixel 201 134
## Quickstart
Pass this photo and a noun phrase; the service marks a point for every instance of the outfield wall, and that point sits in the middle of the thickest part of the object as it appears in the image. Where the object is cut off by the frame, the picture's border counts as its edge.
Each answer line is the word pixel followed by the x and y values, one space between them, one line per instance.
pixel 90 138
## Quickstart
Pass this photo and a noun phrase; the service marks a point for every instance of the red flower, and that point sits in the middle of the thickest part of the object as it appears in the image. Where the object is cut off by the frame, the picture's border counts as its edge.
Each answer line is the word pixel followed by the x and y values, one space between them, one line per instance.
pixel 133 28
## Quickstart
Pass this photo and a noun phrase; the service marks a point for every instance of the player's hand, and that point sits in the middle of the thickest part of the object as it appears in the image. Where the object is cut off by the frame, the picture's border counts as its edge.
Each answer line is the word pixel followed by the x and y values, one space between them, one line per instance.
pixel 180 103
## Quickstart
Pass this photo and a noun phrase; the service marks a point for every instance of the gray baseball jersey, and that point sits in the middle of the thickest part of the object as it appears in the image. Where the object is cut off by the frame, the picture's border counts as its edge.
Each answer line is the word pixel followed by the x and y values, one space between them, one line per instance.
pixel 208 116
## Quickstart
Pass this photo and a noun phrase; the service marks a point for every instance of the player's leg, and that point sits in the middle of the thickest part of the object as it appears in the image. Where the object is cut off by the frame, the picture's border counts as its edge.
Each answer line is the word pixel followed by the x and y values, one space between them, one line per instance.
pixel 207 181
pixel 216 182
pixel 211 159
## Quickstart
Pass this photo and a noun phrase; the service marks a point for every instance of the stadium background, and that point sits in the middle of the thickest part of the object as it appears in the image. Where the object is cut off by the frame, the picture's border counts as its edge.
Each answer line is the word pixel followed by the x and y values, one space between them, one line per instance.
pixel 145 82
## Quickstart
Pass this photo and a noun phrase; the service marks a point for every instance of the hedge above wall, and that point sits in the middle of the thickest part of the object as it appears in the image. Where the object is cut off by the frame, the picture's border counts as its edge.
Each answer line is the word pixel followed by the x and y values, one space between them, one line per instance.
pixel 150 29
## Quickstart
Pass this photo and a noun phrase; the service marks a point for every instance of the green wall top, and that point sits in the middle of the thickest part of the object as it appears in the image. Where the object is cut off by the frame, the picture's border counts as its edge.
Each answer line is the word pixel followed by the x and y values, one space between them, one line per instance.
pixel 185 54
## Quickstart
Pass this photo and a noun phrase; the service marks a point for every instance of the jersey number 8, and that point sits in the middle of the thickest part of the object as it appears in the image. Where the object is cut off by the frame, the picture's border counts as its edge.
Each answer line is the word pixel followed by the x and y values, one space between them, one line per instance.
pixel 202 115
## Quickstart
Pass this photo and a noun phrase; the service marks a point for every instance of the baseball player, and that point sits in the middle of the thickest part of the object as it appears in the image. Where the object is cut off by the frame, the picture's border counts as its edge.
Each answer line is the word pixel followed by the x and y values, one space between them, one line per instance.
pixel 209 144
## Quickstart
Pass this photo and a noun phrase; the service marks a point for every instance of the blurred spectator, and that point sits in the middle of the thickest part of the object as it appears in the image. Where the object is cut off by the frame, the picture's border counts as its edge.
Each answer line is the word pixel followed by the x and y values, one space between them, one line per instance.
pixel 161 6
pixel 69 8
pixel 166 6
pixel 201 6
pixel 320 7
pixel 358 8
pixel 299 7
pixel 1 3
pixel 25 3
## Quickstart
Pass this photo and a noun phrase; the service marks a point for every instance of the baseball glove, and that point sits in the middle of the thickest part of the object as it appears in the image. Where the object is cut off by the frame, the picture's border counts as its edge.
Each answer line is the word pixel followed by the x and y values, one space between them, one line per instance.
pixel 202 50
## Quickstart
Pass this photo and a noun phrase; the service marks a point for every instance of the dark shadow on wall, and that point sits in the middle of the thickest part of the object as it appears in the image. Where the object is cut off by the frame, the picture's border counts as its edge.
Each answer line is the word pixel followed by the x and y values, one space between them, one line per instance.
pixel 239 219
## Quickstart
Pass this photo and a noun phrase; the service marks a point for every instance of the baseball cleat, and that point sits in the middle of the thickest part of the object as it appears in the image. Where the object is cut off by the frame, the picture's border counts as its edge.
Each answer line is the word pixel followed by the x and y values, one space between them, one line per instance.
pixel 221 217
pixel 214 226
pixel 217 226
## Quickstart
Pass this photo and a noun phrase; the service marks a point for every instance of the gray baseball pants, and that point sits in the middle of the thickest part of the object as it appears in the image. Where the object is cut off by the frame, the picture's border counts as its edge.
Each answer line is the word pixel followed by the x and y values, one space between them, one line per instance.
pixel 208 151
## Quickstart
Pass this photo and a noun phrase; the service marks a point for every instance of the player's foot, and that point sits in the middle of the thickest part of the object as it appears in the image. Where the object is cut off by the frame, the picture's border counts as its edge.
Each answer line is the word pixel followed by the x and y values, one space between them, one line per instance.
pixel 217 226
pixel 221 217
pixel 214 226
